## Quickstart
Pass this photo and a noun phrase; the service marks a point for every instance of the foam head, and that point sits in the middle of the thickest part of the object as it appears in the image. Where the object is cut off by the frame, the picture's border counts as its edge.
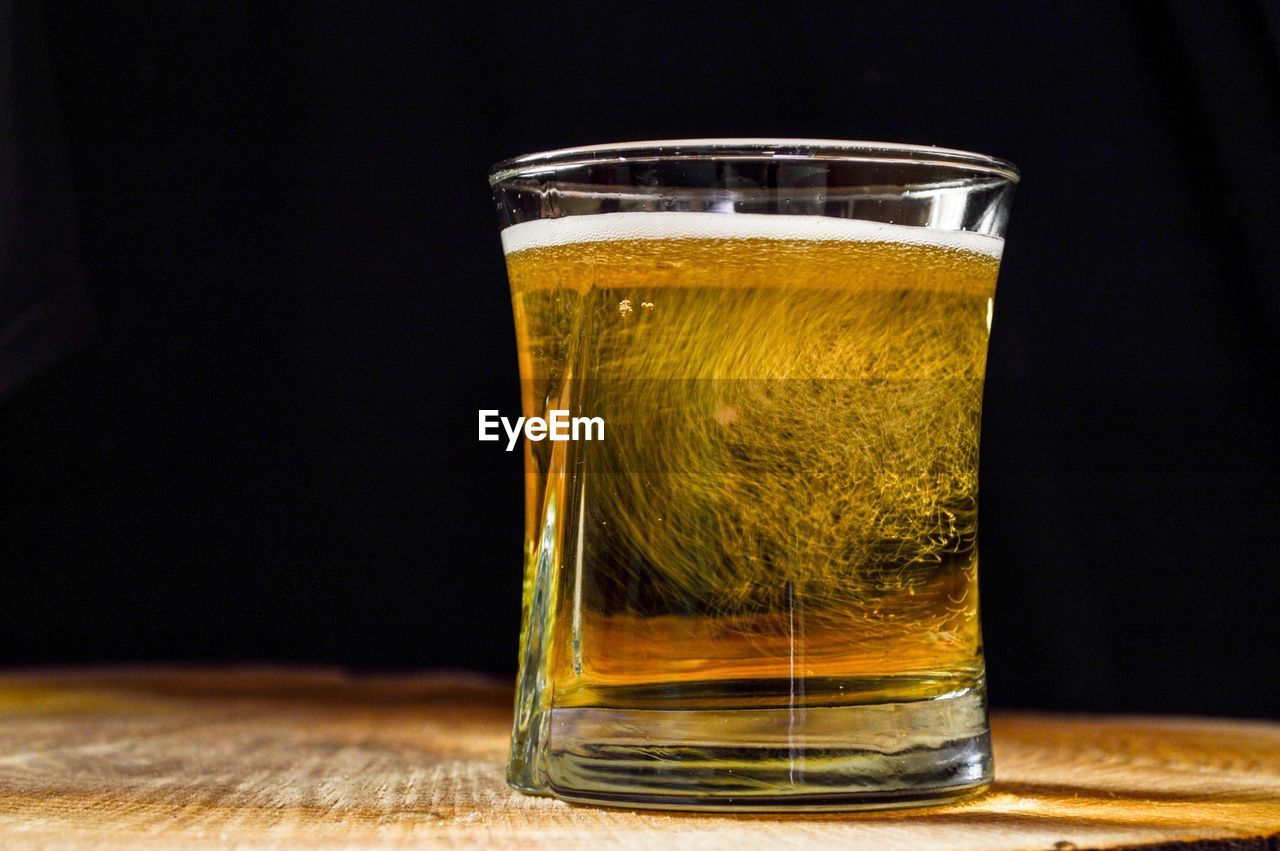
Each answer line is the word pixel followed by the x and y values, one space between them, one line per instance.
pixel 570 230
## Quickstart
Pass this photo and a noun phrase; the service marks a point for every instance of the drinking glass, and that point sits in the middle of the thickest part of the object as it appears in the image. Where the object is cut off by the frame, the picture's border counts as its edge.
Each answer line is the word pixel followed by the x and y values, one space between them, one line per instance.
pixel 756 587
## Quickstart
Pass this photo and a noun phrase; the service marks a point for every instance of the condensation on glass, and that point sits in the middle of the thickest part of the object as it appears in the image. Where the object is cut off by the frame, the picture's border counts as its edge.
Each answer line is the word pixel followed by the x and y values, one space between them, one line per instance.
pixel 759 591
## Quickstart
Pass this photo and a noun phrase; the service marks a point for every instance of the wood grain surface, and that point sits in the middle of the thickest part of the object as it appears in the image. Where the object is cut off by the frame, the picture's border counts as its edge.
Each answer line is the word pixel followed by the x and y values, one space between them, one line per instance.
pixel 290 759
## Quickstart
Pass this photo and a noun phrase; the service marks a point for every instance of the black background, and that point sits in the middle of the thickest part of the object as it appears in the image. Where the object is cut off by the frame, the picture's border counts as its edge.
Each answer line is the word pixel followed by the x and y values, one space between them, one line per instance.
pixel 266 449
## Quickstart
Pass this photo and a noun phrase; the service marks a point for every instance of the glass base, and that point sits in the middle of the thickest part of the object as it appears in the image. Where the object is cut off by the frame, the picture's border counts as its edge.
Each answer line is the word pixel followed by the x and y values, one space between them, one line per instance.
pixel 806 758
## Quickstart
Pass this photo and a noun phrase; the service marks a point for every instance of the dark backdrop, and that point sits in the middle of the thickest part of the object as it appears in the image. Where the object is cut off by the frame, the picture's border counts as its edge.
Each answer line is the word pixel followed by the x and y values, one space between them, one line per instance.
pixel 266 448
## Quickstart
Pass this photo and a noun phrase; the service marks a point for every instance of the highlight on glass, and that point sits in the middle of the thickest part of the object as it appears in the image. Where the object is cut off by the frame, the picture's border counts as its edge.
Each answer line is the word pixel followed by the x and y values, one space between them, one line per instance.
pixel 759 590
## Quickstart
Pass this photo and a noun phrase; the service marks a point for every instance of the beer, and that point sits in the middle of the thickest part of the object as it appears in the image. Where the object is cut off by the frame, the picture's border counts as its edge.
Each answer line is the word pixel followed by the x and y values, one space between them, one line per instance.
pixel 782 515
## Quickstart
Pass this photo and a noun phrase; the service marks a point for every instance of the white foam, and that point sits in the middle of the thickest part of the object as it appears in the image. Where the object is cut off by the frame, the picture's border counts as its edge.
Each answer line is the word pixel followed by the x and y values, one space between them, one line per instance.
pixel 568 230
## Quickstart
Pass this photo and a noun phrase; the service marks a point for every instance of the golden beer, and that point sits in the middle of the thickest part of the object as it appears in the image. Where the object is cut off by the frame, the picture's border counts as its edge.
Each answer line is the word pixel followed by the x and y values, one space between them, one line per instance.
pixel 782 517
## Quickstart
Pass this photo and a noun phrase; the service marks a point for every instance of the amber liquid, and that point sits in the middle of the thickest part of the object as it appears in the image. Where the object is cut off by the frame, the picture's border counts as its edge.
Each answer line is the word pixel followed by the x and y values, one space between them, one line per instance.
pixel 784 509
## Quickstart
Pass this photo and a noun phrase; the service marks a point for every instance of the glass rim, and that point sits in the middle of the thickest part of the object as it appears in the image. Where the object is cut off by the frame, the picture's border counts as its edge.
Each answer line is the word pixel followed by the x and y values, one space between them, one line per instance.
pixel 751 149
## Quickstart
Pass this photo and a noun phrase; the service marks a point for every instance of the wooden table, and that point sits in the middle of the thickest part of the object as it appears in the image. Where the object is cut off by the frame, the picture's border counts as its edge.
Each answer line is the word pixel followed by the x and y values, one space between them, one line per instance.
pixel 261 758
